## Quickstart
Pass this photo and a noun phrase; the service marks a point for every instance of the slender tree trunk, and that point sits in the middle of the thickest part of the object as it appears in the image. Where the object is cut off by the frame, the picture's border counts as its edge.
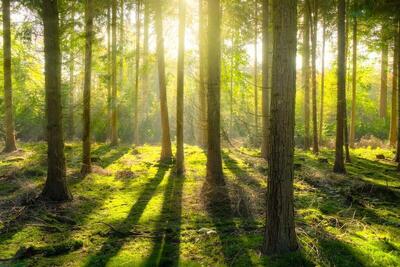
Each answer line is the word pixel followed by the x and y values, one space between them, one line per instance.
pixel 231 84
pixel 109 73
pixel 306 73
pixel 114 132
pixel 280 236
pixel 71 91
pixel 341 92
pixel 136 97
pixel 121 46
pixel 8 113
pixel 393 117
pixel 398 96
pixel 354 86
pixel 255 69
pixel 347 87
pixel 166 152
pixel 214 162
pixel 321 115
pixel 383 94
pixel 86 142
pixel 145 64
pixel 202 75
pixel 180 90
pixel 55 188
pixel 265 81
pixel 314 34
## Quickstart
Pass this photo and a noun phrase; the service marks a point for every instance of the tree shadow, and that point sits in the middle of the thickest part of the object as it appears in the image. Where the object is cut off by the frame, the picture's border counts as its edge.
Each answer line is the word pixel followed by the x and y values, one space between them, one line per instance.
pixel 106 154
pixel 166 249
pixel 114 242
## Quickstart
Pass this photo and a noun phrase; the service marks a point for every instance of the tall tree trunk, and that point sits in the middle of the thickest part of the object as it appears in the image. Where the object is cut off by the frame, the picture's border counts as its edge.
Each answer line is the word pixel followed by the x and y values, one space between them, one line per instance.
pixel 137 59
pixel 280 236
pixel 166 152
pixel 86 143
pixel 347 87
pixel 383 93
pixel 114 131
pixel 306 73
pixel 354 86
pixel 8 113
pixel 180 90
pixel 314 34
pixel 341 85
pixel 55 188
pixel 321 115
pixel 398 96
pixel 71 91
pixel 202 75
pixel 255 69
pixel 109 73
pixel 393 117
pixel 265 80
pixel 231 83
pixel 214 162
pixel 145 60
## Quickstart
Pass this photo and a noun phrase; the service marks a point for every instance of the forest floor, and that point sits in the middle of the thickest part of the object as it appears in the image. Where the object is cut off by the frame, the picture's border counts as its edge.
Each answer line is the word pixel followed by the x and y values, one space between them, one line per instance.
pixel 134 211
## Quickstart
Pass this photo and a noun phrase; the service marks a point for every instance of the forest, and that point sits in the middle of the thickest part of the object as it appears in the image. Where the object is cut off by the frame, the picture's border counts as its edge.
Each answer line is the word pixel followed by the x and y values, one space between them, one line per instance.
pixel 200 133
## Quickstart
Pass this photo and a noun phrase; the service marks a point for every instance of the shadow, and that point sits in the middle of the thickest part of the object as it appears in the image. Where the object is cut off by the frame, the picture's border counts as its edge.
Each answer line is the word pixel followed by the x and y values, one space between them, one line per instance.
pixel 337 253
pixel 167 240
pixel 114 242
pixel 106 154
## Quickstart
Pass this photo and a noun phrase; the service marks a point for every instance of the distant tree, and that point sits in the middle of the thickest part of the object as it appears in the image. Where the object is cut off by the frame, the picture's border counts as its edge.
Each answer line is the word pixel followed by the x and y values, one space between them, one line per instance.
pixel 145 59
pixel 71 89
pixel 321 111
pixel 306 72
pixel 55 188
pixel 384 70
pixel 109 70
pixel 137 65
pixel 114 132
pixel 166 152
pixel 395 70
pixel 354 85
pixel 256 68
pixel 8 99
pixel 265 79
pixel 280 236
pixel 341 85
pixel 202 75
pixel 314 34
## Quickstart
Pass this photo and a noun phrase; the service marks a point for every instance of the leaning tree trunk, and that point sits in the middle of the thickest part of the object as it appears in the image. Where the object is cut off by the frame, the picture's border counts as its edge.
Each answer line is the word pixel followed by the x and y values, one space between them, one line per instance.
pixel 214 162
pixel 180 90
pixel 321 113
pixel 354 86
pixel 114 132
pixel 137 63
pixel 341 91
pixel 202 122
pixel 393 117
pixel 86 162
pixel 265 80
pixel 383 93
pixel 306 73
pixel 280 235
pixel 314 33
pixel 55 188
pixel 8 113
pixel 166 152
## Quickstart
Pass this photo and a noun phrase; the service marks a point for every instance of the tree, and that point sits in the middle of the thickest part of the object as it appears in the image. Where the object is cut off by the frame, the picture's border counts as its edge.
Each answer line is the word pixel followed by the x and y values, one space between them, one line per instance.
pixel 86 162
pixel 341 85
pixel 137 63
pixel 255 68
pixel 214 162
pixel 393 117
pixel 8 102
pixel 306 73
pixel 280 236
pixel 321 112
pixel 114 133
pixel 166 152
pixel 71 91
pixel 55 188
pixel 384 67
pixel 202 75
pixel 314 32
pixel 354 86
pixel 145 55
pixel 109 70
pixel 180 89
pixel 265 80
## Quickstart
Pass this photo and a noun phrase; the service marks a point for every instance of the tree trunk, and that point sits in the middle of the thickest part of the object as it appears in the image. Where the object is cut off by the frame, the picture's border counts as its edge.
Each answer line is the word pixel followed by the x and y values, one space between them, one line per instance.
pixel 341 91
pixel 321 115
pixel 109 73
pixel 232 55
pixel 214 162
pixel 86 162
pixel 136 96
pixel 314 34
pixel 306 73
pixel 354 86
pixel 71 91
pixel 280 236
pixel 166 152
pixel 202 75
pixel 393 117
pixel 145 64
pixel 8 105
pixel 255 69
pixel 55 188
pixel 114 132
pixel 383 93
pixel 180 90
pixel 265 80
pixel 398 96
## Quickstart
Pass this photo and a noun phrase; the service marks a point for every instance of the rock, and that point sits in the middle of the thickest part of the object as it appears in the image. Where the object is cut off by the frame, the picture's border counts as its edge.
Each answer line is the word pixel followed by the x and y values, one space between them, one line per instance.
pixel 207 231
pixel 380 156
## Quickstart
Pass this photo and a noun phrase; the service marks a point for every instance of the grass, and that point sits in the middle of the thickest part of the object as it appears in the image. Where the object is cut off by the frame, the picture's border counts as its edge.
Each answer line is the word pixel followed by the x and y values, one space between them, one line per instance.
pixel 134 211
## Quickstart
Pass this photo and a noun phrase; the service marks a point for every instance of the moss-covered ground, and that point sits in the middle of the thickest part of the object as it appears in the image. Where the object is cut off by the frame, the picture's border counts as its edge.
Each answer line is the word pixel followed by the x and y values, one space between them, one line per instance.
pixel 134 211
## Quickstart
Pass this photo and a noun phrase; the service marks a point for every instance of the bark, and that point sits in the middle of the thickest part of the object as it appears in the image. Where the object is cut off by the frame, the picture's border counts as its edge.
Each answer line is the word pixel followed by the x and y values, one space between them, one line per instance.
pixel 255 69
pixel 109 73
pixel 398 96
pixel 137 63
pixel 214 162
pixel 265 80
pixel 202 75
pixel 306 73
pixel 55 188
pixel 114 133
pixel 71 91
pixel 145 60
pixel 166 152
pixel 393 117
pixel 314 33
pixel 9 145
pixel 354 86
pixel 231 83
pixel 321 119
pixel 280 236
pixel 86 142
pixel 341 91
pixel 180 90
pixel 383 93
